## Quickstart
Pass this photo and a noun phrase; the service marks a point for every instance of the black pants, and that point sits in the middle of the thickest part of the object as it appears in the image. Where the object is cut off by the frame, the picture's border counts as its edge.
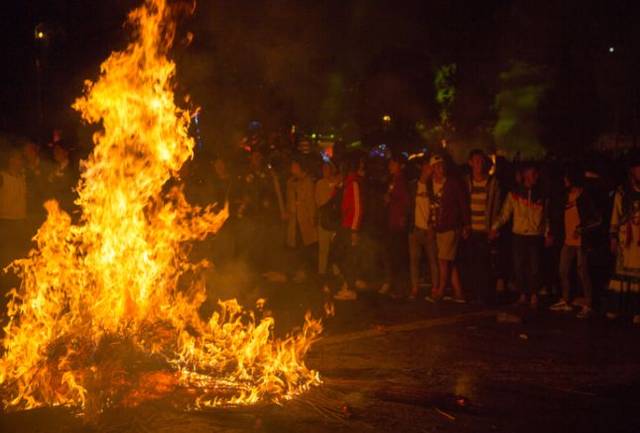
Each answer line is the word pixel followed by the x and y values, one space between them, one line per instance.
pixel 527 257
pixel 345 255
pixel 477 272
pixel 396 260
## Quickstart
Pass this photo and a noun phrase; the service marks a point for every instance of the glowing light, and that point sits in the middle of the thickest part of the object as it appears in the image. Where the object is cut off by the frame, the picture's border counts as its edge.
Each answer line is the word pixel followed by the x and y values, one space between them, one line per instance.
pixel 612 49
pixel 386 118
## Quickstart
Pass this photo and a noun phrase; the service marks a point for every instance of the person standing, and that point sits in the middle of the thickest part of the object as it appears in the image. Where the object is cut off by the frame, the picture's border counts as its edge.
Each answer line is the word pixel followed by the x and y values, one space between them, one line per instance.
pixel 450 204
pixel 302 232
pixel 580 219
pixel 422 235
pixel 623 292
pixel 484 194
pixel 529 209
pixel 13 213
pixel 326 191
pixel 396 201
pixel 348 236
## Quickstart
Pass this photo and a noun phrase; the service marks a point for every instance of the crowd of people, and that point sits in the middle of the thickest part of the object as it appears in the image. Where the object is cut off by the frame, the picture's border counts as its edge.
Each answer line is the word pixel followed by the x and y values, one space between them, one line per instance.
pixel 540 234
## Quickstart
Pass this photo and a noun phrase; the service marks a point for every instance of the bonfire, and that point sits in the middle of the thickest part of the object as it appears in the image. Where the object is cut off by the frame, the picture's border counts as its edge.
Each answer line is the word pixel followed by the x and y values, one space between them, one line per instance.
pixel 108 309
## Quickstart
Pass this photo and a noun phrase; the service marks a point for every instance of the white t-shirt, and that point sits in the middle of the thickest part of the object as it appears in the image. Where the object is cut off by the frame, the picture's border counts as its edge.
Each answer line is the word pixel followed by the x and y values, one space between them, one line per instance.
pixel 13 197
pixel 422 207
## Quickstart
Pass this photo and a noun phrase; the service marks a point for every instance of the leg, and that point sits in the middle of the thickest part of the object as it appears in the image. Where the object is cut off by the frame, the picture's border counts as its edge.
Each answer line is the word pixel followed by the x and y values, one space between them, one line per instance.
pixel 566 260
pixel 415 253
pixel 431 247
pixel 520 264
pixel 535 248
pixel 324 242
pixel 585 277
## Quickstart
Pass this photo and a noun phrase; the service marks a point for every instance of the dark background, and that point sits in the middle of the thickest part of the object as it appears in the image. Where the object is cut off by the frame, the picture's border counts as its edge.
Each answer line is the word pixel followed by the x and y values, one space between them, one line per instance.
pixel 341 64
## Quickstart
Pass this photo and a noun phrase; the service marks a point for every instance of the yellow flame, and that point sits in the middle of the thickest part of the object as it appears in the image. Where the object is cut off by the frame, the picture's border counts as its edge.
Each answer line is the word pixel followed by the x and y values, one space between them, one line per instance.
pixel 121 272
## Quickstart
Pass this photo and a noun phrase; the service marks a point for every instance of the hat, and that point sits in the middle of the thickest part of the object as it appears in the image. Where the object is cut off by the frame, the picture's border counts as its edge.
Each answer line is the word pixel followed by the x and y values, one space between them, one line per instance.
pixel 435 159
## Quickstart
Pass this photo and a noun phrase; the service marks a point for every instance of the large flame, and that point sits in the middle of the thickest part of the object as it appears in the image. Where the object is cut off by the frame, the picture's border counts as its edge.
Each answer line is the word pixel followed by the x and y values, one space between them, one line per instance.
pixel 115 292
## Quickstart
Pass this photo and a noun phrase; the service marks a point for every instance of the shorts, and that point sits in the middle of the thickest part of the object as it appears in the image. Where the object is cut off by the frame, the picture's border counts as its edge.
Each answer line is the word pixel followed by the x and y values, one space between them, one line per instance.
pixel 448 244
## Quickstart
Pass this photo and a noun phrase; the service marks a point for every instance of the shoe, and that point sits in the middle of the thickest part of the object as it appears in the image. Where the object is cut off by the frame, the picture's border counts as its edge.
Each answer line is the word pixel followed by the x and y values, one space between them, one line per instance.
pixel 447 298
pixel 522 300
pixel 432 299
pixel 459 300
pixel 384 289
pixel 585 313
pixel 345 295
pixel 636 320
pixel 561 306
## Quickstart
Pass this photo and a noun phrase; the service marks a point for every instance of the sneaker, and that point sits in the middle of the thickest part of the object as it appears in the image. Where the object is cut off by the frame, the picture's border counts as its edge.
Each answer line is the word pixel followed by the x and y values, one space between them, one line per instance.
pixel 585 313
pixel 459 300
pixel 561 306
pixel 447 298
pixel 384 289
pixel 345 295
pixel 432 299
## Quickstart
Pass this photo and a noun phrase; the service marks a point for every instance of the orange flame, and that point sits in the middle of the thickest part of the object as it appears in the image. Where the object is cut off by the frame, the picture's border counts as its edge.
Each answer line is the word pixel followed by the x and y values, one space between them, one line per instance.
pixel 121 273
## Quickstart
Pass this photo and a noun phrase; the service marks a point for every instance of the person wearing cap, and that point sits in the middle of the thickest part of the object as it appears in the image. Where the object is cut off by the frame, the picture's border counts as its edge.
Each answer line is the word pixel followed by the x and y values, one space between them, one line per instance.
pixel 529 208
pixel 449 201
pixel 623 292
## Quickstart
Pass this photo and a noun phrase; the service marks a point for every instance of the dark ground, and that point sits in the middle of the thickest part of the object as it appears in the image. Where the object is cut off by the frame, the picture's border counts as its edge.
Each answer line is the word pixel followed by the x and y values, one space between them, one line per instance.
pixel 414 367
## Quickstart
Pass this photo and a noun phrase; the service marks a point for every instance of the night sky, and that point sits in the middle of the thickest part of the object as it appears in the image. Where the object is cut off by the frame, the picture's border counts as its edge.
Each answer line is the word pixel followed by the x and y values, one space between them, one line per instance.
pixel 343 64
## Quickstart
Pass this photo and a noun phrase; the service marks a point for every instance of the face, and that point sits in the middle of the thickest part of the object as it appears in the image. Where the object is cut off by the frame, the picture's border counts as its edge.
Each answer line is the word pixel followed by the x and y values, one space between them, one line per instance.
pixel 15 162
pixel 220 168
pixel 31 152
pixel 394 167
pixel 530 177
pixel 477 163
pixel 327 171
pixel 635 174
pixel 426 171
pixel 296 169
pixel 60 154
pixel 438 169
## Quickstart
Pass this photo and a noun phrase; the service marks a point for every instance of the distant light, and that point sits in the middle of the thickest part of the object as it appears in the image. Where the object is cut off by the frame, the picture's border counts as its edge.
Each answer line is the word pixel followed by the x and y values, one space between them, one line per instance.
pixel 612 49
pixel 386 118
pixel 314 135
pixel 40 35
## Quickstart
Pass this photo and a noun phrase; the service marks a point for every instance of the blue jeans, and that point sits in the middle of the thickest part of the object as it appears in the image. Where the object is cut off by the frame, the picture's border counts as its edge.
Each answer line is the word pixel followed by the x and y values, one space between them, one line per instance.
pixel 527 256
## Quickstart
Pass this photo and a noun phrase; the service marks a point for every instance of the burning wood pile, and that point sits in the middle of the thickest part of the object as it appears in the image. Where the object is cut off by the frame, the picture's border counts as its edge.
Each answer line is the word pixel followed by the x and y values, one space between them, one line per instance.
pixel 107 311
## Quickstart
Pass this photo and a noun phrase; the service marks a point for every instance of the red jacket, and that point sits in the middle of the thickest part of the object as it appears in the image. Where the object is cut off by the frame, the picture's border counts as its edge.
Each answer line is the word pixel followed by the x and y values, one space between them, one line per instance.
pixel 398 206
pixel 352 203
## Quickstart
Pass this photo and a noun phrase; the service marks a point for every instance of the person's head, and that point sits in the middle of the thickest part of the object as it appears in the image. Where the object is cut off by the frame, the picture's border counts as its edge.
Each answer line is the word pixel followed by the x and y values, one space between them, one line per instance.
pixel 396 164
pixel 530 175
pixel 31 152
pixel 478 162
pixel 328 170
pixel 15 163
pixel 257 159
pixel 573 177
pixel 425 169
pixel 60 154
pixel 220 167
pixel 355 164
pixel 438 166
pixel 297 170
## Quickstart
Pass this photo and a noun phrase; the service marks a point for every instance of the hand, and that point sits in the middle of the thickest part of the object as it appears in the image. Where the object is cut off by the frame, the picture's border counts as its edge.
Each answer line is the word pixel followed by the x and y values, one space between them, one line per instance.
pixel 466 232
pixel 355 238
pixel 548 241
pixel 614 246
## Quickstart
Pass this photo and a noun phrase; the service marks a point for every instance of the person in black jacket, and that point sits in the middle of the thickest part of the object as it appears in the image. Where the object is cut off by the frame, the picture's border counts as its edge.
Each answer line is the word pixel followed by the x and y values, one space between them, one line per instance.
pixel 580 220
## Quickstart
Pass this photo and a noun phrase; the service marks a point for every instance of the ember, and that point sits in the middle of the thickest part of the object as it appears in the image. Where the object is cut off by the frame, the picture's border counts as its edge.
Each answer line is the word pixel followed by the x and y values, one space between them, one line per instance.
pixel 107 312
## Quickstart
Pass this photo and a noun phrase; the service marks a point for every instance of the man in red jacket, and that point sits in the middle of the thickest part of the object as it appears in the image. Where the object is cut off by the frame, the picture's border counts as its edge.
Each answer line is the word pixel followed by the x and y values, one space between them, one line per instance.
pixel 449 200
pixel 348 235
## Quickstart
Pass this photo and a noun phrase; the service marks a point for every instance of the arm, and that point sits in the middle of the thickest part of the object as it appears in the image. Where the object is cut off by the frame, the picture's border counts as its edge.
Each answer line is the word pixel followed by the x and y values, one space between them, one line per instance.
pixel 505 213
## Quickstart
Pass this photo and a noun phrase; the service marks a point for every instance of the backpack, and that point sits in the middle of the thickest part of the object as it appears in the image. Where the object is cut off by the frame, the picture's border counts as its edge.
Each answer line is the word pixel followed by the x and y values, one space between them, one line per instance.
pixel 330 213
